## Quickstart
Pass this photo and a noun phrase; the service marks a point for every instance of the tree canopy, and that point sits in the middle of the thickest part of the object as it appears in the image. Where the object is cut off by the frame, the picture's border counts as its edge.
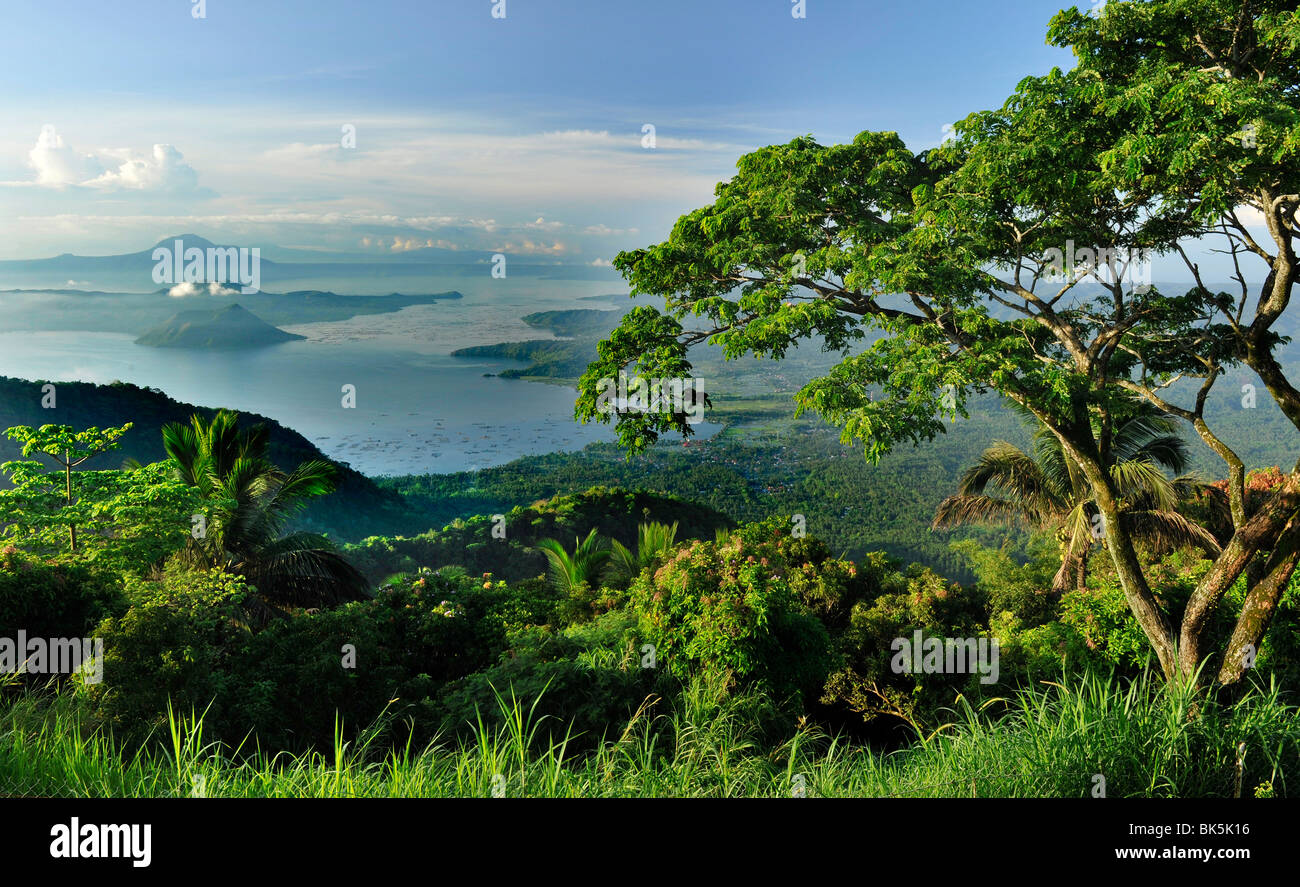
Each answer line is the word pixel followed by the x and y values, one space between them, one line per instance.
pixel 943 273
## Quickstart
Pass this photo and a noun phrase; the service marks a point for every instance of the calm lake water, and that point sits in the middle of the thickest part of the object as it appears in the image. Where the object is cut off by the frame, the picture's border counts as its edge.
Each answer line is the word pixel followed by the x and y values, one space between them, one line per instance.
pixel 418 410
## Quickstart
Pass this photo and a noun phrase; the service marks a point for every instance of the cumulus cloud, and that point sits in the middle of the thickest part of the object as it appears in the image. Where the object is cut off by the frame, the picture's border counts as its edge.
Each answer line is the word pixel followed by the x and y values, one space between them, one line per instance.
pixel 164 170
pixel 532 247
pixel 187 289
pixel 184 290
pixel 58 164
pixel 401 245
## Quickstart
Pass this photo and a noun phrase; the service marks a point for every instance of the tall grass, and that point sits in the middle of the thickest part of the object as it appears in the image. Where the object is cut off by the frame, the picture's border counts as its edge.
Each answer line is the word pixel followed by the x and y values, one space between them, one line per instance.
pixel 1143 738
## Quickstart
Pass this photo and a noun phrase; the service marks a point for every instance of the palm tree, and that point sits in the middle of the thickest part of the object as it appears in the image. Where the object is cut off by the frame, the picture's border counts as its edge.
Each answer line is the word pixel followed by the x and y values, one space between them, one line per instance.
pixel 250 500
pixel 574 574
pixel 652 541
pixel 1047 490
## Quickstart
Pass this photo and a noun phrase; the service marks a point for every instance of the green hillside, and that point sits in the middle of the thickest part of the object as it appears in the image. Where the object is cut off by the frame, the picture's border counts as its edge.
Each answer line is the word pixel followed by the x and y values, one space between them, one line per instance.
pixel 357 509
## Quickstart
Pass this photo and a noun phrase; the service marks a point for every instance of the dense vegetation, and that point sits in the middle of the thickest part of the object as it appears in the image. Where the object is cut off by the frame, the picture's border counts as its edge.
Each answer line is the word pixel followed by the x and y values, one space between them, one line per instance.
pixel 760 631
pixel 669 626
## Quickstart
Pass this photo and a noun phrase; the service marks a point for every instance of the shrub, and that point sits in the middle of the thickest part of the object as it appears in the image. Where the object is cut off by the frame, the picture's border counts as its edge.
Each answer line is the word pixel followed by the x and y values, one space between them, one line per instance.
pixel 915 600
pixel 53 599
pixel 419 632
pixel 737 606
pixel 1100 617
pixel 587 680
pixel 1020 590
pixel 176 643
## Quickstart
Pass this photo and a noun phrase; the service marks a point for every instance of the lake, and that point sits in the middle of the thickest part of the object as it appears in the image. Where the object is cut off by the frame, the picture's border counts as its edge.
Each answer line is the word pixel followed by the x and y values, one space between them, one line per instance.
pixel 418 410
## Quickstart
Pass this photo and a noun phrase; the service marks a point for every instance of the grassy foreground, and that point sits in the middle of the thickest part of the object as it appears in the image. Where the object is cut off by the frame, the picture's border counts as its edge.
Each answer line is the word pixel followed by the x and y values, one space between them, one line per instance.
pixel 1144 739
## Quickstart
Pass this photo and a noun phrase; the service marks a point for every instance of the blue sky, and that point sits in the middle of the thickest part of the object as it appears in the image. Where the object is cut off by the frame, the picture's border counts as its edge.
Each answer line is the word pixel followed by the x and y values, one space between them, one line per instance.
pixel 130 121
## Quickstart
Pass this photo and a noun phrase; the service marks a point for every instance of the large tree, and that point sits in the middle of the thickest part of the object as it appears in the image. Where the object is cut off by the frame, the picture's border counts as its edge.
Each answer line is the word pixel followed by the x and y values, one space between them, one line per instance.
pixel 938 275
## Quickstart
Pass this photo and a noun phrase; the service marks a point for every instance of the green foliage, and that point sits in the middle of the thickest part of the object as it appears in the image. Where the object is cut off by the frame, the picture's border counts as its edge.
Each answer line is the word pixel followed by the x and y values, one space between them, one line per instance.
pixel 288 681
pixel 1047 490
pixel 575 576
pixel 248 501
pixel 1101 617
pixel 613 513
pixel 1016 589
pixel 128 519
pixel 588 680
pixel 52 598
pixel 1150 740
pixel 654 541
pixel 357 509
pixel 899 605
pixel 176 643
pixel 939 274
pixel 737 608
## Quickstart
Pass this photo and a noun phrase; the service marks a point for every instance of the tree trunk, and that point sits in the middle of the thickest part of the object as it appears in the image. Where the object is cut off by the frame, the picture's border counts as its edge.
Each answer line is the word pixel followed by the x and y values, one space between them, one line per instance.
pixel 67 475
pixel 1155 625
pixel 1261 605
pixel 1262 532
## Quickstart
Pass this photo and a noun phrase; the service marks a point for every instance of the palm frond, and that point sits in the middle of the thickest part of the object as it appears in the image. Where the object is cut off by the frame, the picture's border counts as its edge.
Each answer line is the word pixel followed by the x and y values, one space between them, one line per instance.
pixel 1012 471
pixel 1140 479
pixel 623 563
pixel 570 572
pixel 293 572
pixel 957 510
pixel 1166 531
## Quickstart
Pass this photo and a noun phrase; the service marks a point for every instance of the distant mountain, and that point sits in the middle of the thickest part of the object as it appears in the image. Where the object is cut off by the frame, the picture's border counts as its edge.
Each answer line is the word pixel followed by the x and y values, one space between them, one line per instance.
pixel 142 261
pixel 277 267
pixel 229 327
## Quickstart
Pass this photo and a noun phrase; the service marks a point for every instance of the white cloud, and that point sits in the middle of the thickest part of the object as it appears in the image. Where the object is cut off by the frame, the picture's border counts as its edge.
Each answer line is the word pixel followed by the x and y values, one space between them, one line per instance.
pixel 187 290
pixel 402 245
pixel 58 164
pixel 452 182
pixel 297 151
pixel 164 170
pixel 533 248
pixel 603 230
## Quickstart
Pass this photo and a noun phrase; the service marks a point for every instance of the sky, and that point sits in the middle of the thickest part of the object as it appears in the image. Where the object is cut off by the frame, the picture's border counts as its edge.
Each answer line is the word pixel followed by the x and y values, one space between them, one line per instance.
pixel 385 126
